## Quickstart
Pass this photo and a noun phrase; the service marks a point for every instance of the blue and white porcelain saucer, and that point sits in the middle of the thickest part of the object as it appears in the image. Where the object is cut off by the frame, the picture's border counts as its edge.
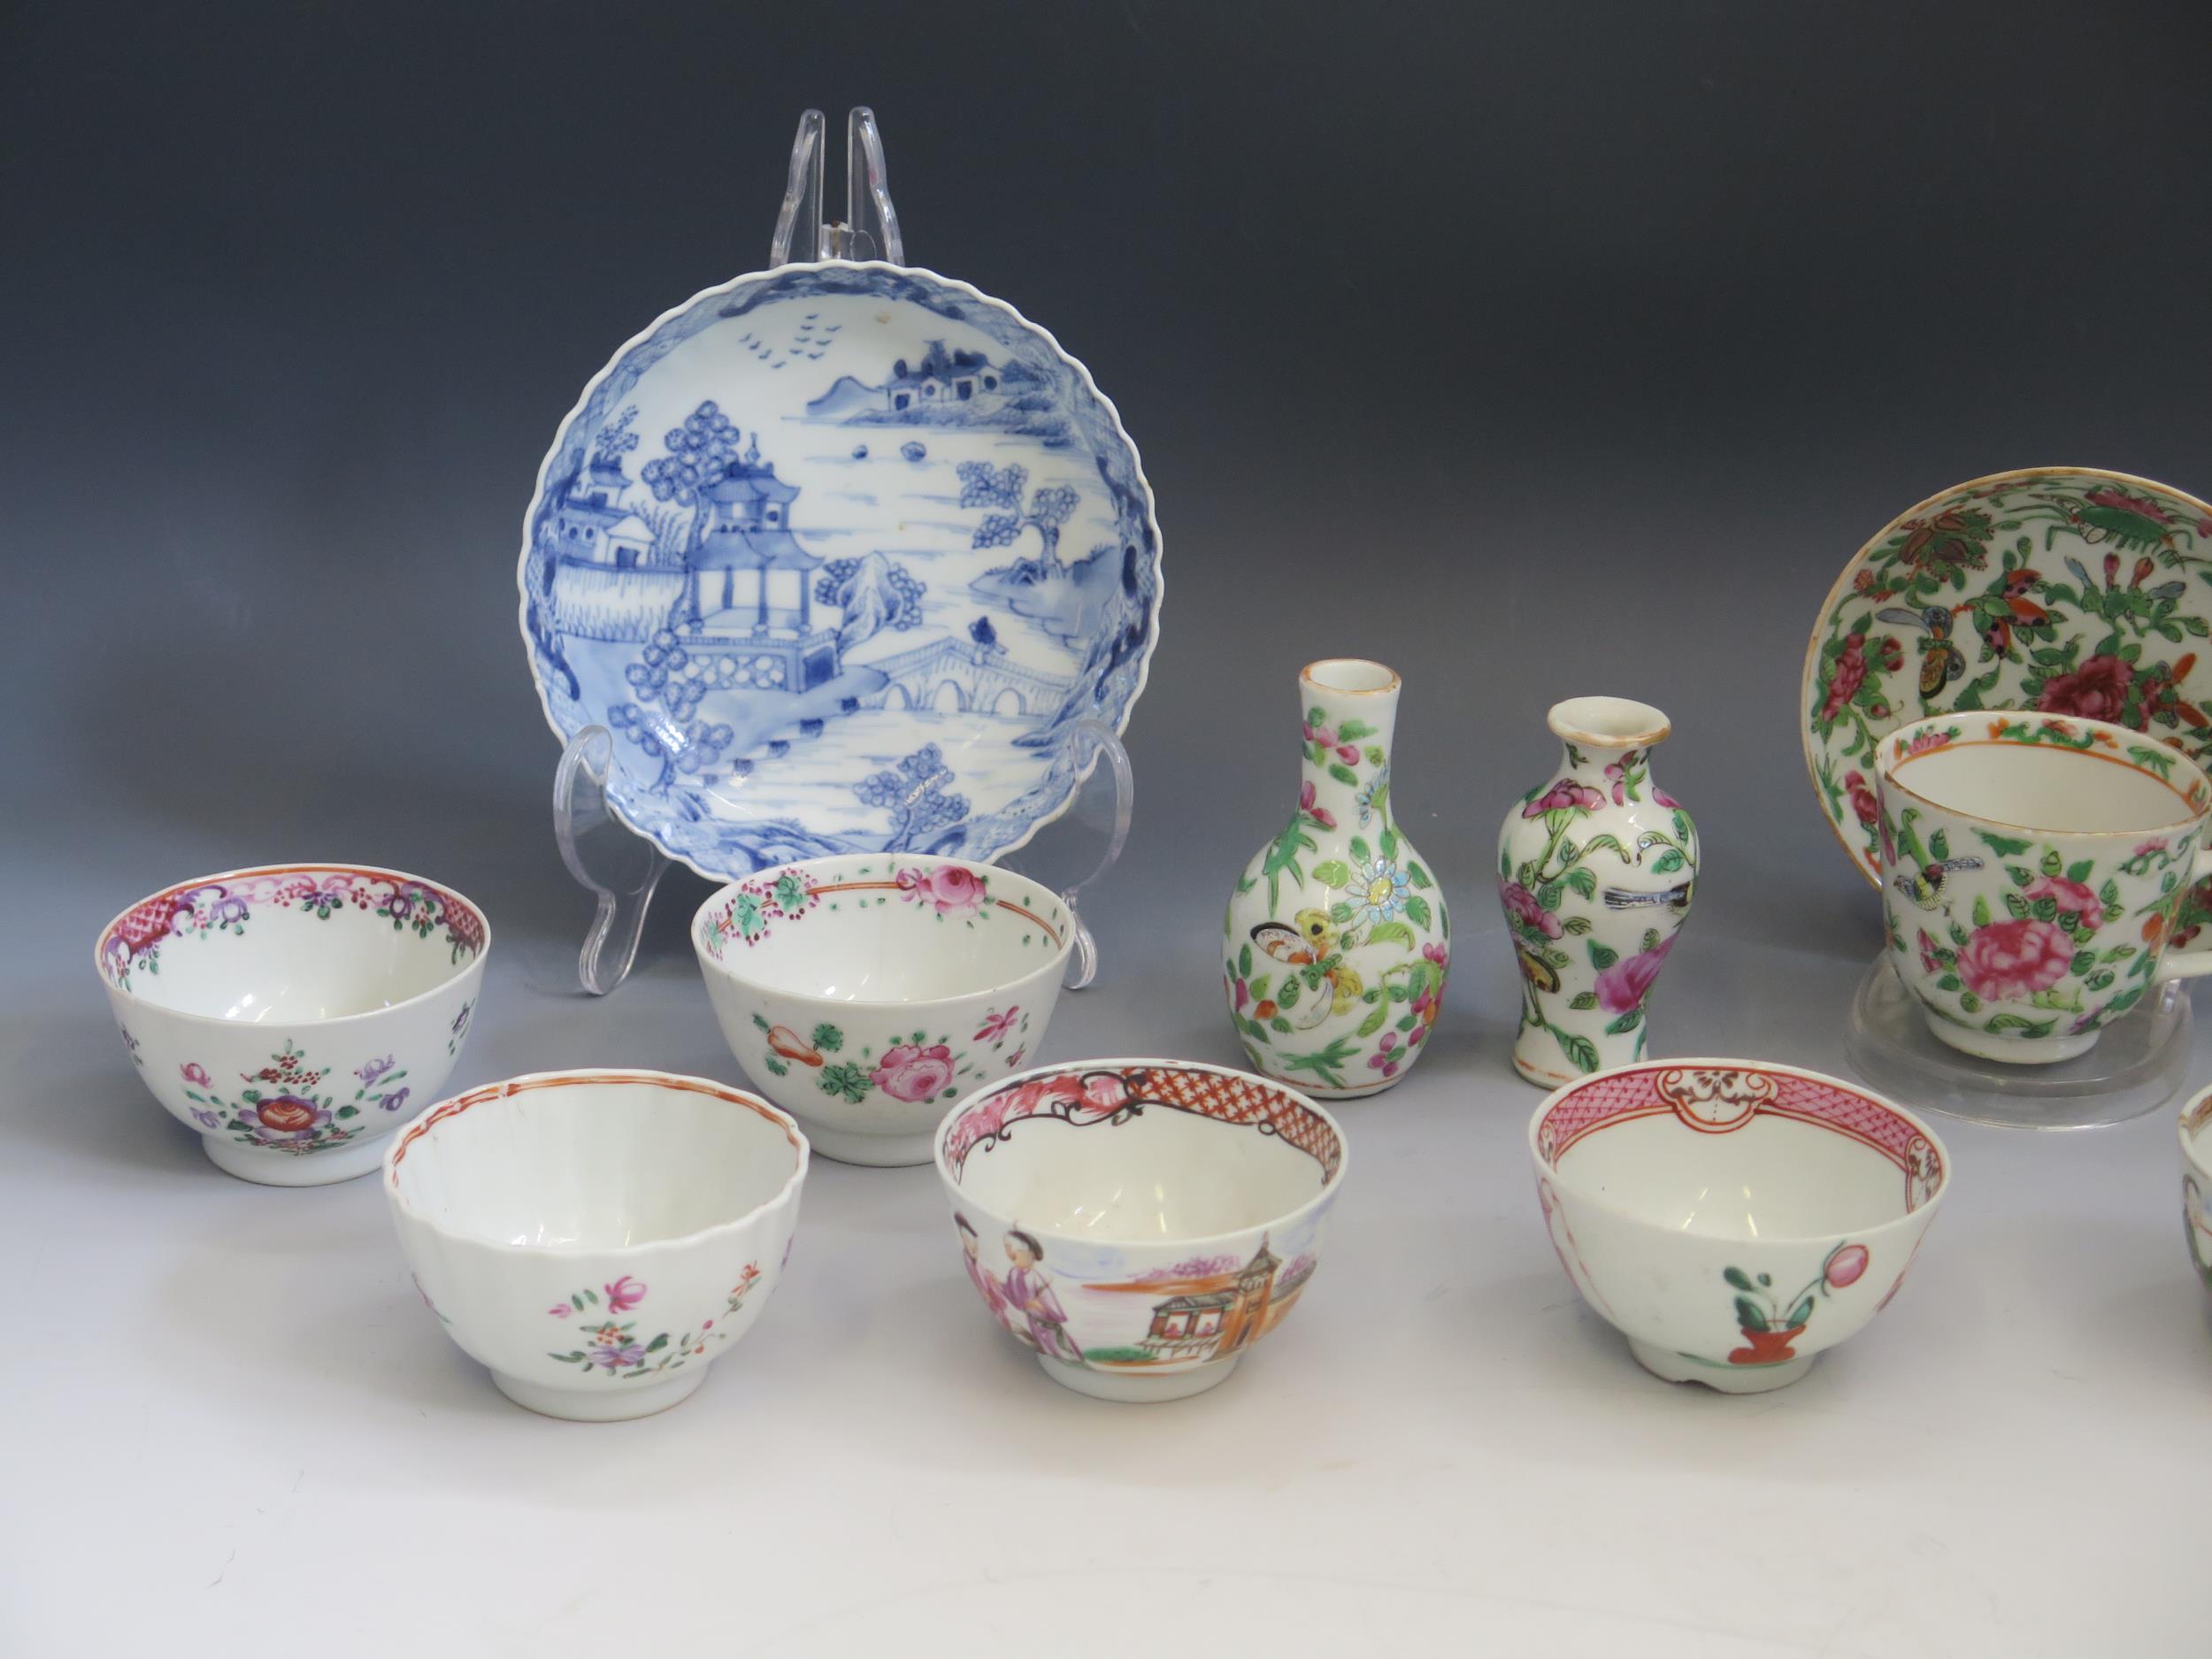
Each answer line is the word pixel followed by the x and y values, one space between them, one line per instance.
pixel 839 552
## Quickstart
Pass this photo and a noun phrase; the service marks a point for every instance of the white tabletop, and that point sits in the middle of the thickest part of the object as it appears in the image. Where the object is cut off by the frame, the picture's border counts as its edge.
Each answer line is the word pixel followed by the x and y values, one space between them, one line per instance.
pixel 237 1432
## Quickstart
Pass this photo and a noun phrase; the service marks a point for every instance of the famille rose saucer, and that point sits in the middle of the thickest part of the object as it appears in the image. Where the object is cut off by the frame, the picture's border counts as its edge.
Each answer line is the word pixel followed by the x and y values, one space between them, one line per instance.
pixel 840 553
pixel 2065 589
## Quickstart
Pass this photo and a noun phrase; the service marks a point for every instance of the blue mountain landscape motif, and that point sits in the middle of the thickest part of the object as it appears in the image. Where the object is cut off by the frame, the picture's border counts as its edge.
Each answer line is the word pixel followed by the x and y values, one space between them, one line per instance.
pixel 806 645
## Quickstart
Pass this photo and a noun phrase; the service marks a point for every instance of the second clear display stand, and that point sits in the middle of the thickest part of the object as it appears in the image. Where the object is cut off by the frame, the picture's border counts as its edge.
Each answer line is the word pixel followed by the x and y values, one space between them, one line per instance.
pixel 623 869
pixel 2137 1066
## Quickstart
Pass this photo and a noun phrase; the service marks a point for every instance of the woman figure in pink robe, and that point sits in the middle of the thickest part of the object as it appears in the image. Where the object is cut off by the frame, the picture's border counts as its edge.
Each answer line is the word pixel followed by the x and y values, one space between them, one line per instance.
pixel 993 1293
pixel 1029 1293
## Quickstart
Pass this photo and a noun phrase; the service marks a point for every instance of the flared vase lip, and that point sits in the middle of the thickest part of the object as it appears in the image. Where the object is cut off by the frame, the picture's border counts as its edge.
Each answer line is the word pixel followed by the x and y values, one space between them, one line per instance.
pixel 1607 723
pixel 1350 677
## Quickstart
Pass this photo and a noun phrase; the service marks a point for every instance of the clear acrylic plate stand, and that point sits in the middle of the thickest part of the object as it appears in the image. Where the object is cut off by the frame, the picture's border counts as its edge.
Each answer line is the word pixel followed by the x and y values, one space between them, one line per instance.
pixel 621 868
pixel 2137 1066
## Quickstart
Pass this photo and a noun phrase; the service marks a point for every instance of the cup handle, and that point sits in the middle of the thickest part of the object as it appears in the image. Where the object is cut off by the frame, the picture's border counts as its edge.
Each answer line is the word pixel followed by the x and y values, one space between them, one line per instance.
pixel 2187 964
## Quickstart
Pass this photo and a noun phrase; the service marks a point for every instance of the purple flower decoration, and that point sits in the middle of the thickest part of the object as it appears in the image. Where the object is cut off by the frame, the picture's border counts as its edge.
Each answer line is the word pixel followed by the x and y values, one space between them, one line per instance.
pixel 207 1119
pixel 375 1068
pixel 462 1019
pixel 394 1100
pixel 613 1358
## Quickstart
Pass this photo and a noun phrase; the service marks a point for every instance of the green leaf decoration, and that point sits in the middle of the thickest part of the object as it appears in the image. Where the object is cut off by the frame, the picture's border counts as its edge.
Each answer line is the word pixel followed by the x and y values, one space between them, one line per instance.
pixel 1584 1000
pixel 1970 1002
pixel 1361 850
pixel 2052 863
pixel 2014 903
pixel 1603 956
pixel 348 1111
pixel 1373 1022
pixel 1244 962
pixel 1800 1313
pixel 1651 939
pixel 1317 716
pixel 1949 982
pixel 827 1036
pixel 1668 862
pixel 1981 912
pixel 1388 842
pixel 1287 997
pixel 1339 912
pixel 1940 845
pixel 1392 934
pixel 760 1023
pixel 1352 731
pixel 2044 909
pixel 1626 1023
pixel 1417 875
pixel 1374 755
pixel 1343 773
pixel 1549 895
pixel 1580 1051
pixel 1748 1314
pixel 1332 873
pixel 658 1344
pixel 1736 1276
pixel 1582 879
pixel 2081 870
pixel 1416 908
pixel 1278 1024
pixel 1576 924
pixel 2020 874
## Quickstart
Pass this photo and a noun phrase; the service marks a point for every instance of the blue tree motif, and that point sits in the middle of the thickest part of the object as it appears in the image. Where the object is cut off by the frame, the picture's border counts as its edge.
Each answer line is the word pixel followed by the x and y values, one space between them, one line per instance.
pixel 699 455
pixel 835 586
pixel 1000 489
pixel 913 793
pixel 615 439
pixel 676 679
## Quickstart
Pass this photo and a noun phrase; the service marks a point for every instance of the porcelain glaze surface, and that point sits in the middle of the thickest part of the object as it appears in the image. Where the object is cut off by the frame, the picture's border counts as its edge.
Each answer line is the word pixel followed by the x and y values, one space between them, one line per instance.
pixel 597 1238
pixel 865 994
pixel 2036 869
pixel 1337 937
pixel 2196 1183
pixel 1597 867
pixel 1732 1219
pixel 2064 590
pixel 1136 1225
pixel 291 1014
pixel 839 552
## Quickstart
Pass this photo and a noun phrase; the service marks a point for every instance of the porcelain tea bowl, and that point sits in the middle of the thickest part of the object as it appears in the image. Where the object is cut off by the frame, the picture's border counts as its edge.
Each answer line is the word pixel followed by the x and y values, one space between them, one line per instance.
pixel 2034 867
pixel 864 995
pixel 288 1014
pixel 2196 1182
pixel 597 1239
pixel 1136 1225
pixel 1732 1219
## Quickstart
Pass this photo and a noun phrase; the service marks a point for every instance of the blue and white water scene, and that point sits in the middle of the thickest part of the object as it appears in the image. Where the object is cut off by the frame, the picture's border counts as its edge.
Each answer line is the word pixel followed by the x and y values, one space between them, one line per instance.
pixel 838 553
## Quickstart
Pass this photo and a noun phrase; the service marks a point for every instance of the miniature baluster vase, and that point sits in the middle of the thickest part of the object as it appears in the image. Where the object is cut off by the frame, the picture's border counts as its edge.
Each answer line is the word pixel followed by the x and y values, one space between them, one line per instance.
pixel 1337 936
pixel 1596 869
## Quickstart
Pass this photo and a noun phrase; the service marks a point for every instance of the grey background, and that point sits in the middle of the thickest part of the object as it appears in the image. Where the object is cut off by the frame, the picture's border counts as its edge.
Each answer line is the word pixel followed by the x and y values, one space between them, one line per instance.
pixel 1535 350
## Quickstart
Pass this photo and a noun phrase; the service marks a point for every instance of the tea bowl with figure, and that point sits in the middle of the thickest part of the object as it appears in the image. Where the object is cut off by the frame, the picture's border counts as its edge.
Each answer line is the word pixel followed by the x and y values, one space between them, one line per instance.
pixel 1732 1219
pixel 289 1013
pixel 597 1239
pixel 863 995
pixel 1138 1224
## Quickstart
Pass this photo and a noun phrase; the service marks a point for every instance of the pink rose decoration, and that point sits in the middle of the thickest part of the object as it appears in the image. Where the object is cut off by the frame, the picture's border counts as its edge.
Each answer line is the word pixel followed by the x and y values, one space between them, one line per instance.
pixel 1845 1266
pixel 2011 960
pixel 2097 690
pixel 195 1074
pixel 1565 796
pixel 910 1072
pixel 1320 815
pixel 1864 804
pixel 1930 963
pixel 2071 895
pixel 1850 676
pixel 1521 906
pixel 953 888
pixel 1622 986
pixel 624 1294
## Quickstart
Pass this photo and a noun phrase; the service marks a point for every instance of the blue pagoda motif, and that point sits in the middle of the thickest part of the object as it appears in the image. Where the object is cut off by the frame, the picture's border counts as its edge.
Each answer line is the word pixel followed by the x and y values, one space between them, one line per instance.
pixel 747 575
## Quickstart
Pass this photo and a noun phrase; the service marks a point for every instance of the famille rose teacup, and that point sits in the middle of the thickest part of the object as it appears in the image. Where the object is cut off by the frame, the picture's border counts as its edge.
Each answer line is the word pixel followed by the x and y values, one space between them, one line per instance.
pixel 1138 1223
pixel 291 1013
pixel 598 1238
pixel 2196 1182
pixel 1732 1219
pixel 2034 867
pixel 863 995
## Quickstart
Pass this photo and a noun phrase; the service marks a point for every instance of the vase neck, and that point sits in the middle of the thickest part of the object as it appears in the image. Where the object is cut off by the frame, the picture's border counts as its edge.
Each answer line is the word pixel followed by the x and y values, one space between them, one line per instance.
pixel 1344 762
pixel 1602 766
